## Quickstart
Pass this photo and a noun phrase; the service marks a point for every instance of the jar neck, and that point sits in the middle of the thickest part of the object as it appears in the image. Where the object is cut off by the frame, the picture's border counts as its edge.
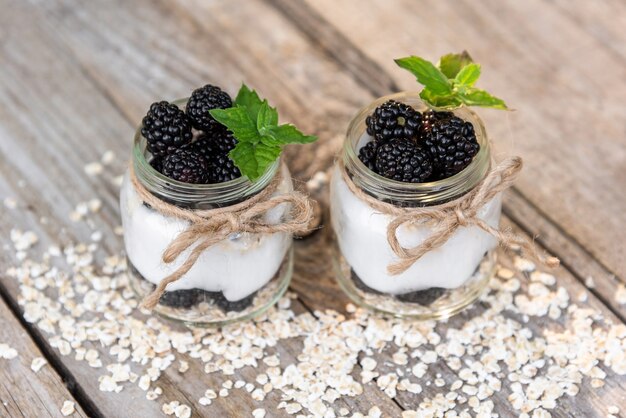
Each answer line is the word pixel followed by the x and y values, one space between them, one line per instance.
pixel 194 196
pixel 413 194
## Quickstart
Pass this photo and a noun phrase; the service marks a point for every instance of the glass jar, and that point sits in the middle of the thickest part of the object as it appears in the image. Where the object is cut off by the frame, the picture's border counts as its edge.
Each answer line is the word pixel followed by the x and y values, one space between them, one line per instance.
pixel 235 279
pixel 443 281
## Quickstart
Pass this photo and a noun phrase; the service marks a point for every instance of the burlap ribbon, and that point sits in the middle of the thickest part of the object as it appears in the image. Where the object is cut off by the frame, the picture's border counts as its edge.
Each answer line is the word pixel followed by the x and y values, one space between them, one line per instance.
pixel 444 220
pixel 208 227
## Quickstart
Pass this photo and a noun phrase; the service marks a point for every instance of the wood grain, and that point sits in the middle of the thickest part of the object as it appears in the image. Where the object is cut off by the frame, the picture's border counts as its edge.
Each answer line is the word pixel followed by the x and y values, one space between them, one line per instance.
pixel 22 391
pixel 87 122
pixel 567 123
pixel 78 78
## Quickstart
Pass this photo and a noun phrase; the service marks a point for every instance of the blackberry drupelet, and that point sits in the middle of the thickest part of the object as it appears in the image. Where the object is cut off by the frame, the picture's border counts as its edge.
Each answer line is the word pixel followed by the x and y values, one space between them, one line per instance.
pixel 157 163
pixel 452 145
pixel 166 128
pixel 221 168
pixel 186 165
pixel 201 101
pixel 367 154
pixel 394 120
pixel 429 118
pixel 220 143
pixel 402 160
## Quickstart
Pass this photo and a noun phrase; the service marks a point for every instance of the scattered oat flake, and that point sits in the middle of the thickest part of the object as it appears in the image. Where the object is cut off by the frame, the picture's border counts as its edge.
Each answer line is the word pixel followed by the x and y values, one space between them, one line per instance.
pixel 258 413
pixel 38 363
pixel 7 352
pixel 10 202
pixel 182 411
pixel 108 157
pixel 68 408
pixel 93 169
pixel 620 294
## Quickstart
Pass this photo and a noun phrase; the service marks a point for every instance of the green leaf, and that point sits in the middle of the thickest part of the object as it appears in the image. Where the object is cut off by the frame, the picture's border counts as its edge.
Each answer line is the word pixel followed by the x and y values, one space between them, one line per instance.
pixel 238 121
pixel 442 102
pixel 253 159
pixel 427 74
pixel 250 100
pixel 254 123
pixel 478 97
pixel 451 64
pixel 287 134
pixel 468 75
pixel 266 118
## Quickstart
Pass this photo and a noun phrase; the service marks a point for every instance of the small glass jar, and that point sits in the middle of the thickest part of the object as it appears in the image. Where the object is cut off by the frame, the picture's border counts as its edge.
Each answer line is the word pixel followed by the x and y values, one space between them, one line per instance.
pixel 443 281
pixel 235 279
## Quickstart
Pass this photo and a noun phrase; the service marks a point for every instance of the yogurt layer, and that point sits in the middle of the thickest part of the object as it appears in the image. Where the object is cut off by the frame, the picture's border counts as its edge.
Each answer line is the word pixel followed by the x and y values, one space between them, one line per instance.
pixel 362 237
pixel 237 266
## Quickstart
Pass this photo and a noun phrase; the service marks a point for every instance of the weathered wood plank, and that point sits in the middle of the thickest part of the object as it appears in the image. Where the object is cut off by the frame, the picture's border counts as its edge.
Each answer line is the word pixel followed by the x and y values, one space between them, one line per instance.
pixel 24 392
pixel 111 90
pixel 76 82
pixel 533 59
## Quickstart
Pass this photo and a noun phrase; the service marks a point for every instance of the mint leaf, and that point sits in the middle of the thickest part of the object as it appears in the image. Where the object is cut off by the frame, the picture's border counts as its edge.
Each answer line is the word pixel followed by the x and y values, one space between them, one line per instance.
pixel 254 123
pixel 267 117
pixel 427 74
pixel 451 64
pixel 443 102
pixel 252 160
pixel 237 120
pixel 250 100
pixel 478 97
pixel 290 134
pixel 468 75
pixel 450 85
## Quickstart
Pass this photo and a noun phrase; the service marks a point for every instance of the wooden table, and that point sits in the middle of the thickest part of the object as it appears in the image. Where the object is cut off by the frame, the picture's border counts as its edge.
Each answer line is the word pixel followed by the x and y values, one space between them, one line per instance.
pixel 77 77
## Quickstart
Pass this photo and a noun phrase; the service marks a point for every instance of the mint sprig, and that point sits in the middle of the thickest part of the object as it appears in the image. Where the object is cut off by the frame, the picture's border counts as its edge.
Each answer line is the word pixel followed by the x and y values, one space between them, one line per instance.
pixel 260 139
pixel 450 84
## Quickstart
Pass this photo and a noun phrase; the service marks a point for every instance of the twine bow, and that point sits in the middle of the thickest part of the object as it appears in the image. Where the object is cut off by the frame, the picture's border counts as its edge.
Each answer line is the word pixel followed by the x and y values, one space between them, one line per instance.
pixel 447 218
pixel 208 227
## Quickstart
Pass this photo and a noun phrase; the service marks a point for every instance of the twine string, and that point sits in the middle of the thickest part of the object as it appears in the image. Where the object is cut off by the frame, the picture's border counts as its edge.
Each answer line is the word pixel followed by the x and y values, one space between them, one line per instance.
pixel 210 226
pixel 447 218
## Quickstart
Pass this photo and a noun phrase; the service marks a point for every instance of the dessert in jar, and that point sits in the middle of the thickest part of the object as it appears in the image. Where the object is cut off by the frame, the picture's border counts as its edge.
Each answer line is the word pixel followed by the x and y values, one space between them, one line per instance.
pixel 415 199
pixel 208 217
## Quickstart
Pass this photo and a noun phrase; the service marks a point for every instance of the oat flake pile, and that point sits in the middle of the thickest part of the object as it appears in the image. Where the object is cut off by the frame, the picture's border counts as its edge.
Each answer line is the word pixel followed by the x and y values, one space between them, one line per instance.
pixel 81 304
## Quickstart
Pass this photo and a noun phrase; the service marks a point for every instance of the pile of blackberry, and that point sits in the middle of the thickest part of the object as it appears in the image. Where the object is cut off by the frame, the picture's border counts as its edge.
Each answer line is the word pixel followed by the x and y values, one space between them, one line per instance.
pixel 191 146
pixel 415 147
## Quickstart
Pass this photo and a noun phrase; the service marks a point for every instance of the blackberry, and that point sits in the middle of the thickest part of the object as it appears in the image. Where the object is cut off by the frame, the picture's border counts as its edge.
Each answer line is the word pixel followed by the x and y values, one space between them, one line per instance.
pixel 402 160
pixel 157 164
pixel 186 165
pixel 367 154
pixel 221 168
pixel 429 118
pixel 220 143
pixel 452 145
pixel 394 120
pixel 166 128
pixel 201 101
pixel 181 298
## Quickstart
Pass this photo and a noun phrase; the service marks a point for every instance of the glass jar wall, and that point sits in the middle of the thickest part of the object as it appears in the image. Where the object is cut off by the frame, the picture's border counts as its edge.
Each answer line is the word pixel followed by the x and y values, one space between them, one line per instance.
pixel 233 280
pixel 444 280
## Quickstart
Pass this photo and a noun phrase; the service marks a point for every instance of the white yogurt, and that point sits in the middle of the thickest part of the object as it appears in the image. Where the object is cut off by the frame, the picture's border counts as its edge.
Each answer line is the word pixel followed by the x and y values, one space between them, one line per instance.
pixel 362 236
pixel 237 266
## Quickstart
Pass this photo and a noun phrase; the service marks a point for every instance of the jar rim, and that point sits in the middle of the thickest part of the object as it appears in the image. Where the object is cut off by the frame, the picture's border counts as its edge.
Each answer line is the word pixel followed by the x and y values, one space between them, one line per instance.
pixel 191 193
pixel 427 193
